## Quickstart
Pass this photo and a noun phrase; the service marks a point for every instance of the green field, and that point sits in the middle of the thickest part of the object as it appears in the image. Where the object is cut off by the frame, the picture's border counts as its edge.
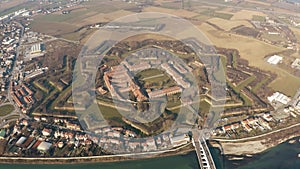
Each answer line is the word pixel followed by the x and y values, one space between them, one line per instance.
pixel 245 99
pixel 260 84
pixel 149 72
pixel 223 15
pixel 61 97
pixel 110 113
pixel 258 18
pixel 40 86
pixel 6 109
pixel 12 117
pixel 245 83
pixel 155 78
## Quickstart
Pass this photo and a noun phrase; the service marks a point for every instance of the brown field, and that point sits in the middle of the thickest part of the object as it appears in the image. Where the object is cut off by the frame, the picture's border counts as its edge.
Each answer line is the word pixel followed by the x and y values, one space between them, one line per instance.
pixel 101 17
pixel 163 1
pixel 227 25
pixel 90 13
pixel 296 32
pixel 142 37
pixel 258 2
pixel 296 55
pixel 246 15
pixel 177 12
pixel 254 51
pixel 11 3
pixel 226 11
pixel 83 35
pixel 52 28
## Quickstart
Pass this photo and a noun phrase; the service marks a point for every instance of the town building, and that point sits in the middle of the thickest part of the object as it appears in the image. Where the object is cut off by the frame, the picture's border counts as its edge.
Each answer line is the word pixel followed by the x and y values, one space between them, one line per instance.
pixel 279 97
pixel 44 146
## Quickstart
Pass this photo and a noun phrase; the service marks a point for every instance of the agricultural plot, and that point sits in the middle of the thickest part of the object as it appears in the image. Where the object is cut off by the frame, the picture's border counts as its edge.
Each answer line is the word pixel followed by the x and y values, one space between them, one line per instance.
pixel 254 51
pixel 227 25
pixel 246 15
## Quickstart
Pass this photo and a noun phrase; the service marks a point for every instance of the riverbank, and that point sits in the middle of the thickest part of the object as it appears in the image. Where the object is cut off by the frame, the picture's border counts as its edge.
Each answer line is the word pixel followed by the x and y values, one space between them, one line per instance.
pixel 256 144
pixel 183 150
pixel 187 161
pixel 238 147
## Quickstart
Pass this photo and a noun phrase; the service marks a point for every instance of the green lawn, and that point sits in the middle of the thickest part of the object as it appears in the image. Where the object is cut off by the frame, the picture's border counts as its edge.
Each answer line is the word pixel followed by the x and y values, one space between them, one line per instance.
pixel 40 86
pixel 245 83
pixel 149 73
pixel 259 85
pixel 61 17
pixel 6 109
pixel 245 99
pixel 61 96
pixel 109 113
pixel 156 78
pixel 12 117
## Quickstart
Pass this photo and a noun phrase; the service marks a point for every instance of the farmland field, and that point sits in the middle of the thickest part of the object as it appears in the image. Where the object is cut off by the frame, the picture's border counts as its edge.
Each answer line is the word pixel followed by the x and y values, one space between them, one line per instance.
pixel 177 12
pixel 227 25
pixel 90 13
pixel 254 51
pixel 245 14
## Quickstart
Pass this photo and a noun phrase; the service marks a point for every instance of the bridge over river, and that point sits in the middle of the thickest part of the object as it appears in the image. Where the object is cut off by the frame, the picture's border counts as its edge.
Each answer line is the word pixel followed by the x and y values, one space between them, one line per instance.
pixel 204 156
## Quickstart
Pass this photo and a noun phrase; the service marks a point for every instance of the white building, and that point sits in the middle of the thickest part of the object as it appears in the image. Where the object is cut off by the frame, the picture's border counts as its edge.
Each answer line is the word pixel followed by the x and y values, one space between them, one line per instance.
pixel 296 64
pixel 279 97
pixel 179 140
pixel 274 60
pixel 36 48
pixel 44 146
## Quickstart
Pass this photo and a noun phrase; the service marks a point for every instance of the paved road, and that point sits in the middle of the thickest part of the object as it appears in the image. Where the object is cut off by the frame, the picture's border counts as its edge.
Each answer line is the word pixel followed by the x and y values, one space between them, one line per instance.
pixel 14 72
pixel 151 77
pixel 258 136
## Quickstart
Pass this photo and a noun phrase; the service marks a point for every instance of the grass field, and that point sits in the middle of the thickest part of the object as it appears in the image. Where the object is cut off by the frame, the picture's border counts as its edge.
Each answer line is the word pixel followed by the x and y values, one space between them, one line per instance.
pixel 258 85
pixel 109 113
pixel 104 17
pixel 61 96
pixel 246 100
pixel 156 78
pixel 273 38
pixel 202 17
pixel 92 12
pixel 254 51
pixel 149 73
pixel 6 109
pixel 216 14
pixel 223 15
pixel 245 83
pixel 51 27
pixel 258 18
pixel 12 117
pixel 40 86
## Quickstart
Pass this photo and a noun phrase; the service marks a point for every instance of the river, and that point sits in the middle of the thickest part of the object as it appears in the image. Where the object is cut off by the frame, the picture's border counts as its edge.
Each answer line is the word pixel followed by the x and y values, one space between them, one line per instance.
pixel 283 156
